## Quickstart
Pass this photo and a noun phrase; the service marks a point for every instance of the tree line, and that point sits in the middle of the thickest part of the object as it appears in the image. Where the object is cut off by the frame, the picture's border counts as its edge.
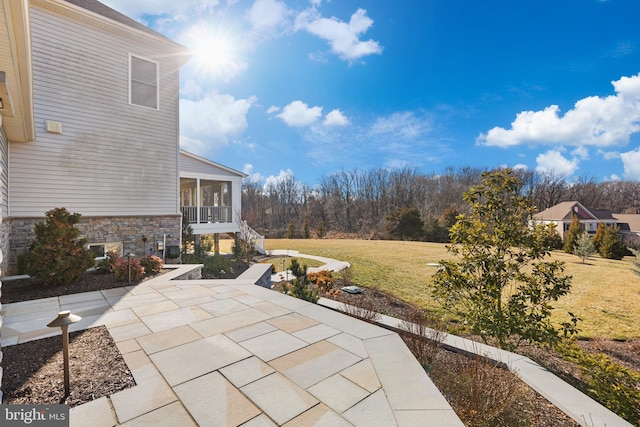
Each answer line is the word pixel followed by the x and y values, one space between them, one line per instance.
pixel 385 203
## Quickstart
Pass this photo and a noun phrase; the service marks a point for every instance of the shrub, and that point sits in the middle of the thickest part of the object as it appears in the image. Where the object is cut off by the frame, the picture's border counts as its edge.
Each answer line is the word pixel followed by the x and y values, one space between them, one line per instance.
pixel 300 287
pixel 322 279
pixel 481 392
pixel 106 265
pixel 152 264
pixel 424 342
pixel 615 386
pixel 57 256
pixel 611 245
pixel 121 269
pixel 215 266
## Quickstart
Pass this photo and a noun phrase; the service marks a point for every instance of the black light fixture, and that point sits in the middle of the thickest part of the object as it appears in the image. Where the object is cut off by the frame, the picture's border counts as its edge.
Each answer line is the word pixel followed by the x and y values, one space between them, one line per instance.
pixel 64 319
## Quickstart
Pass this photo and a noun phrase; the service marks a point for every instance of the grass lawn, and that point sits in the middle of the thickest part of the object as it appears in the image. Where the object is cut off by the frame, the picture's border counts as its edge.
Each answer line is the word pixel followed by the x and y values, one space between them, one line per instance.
pixel 605 293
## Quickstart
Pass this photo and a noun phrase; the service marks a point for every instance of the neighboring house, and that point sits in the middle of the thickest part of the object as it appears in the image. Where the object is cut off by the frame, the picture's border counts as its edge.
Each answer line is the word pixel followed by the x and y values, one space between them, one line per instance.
pixel 562 215
pixel 90 123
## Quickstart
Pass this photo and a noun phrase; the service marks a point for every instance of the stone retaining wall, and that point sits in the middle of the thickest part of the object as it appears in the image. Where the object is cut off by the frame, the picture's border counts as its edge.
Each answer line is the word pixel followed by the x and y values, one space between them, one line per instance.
pixel 127 229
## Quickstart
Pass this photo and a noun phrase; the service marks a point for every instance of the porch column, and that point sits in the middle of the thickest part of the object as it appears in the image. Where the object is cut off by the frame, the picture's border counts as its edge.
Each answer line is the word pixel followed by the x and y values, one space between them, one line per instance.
pixel 198 197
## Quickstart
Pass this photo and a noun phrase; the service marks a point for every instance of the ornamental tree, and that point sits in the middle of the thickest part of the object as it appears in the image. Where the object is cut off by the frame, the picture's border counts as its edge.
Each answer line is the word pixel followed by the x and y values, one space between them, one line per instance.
pixel 57 256
pixel 584 247
pixel 499 285
pixel 570 238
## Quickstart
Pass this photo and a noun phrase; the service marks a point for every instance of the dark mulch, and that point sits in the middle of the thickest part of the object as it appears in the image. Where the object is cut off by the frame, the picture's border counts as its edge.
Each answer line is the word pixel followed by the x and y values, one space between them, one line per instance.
pixel 32 288
pixel 33 371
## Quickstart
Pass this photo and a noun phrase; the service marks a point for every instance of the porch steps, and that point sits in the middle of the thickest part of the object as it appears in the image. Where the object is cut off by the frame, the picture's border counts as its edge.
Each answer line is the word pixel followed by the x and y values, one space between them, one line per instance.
pixel 248 234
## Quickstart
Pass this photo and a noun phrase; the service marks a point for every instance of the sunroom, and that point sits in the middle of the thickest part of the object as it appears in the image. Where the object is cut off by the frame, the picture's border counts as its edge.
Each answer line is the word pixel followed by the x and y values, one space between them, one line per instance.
pixel 210 195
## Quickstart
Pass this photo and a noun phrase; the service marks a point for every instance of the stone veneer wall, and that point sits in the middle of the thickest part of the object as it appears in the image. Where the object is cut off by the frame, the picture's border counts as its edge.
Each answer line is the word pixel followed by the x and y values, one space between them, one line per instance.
pixel 128 230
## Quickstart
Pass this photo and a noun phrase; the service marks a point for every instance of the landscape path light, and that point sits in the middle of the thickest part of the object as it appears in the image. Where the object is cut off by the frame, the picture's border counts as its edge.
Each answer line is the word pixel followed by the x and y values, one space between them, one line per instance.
pixel 64 319
pixel 129 256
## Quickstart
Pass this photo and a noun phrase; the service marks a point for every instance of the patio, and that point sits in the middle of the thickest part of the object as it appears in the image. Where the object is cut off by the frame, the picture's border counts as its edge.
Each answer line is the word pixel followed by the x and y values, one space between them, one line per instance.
pixel 228 352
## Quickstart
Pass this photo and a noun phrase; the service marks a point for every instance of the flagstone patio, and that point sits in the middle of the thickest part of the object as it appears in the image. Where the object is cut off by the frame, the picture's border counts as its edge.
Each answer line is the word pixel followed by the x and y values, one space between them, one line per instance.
pixel 229 353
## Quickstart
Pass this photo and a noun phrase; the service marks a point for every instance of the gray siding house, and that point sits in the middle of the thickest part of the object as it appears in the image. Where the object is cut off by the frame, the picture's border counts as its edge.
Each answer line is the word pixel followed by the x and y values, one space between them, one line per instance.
pixel 90 123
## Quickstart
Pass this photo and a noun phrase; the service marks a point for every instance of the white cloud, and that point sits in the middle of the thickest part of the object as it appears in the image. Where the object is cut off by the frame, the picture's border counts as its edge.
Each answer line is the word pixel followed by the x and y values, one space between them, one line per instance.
pixel 335 118
pixel 212 121
pixel 554 161
pixel 275 179
pixel 404 125
pixel 343 37
pixel 595 121
pixel 631 162
pixel 299 114
pixel 253 176
pixel 581 152
pixel 267 16
pixel 273 109
pixel 520 167
pixel 176 9
pixel 609 155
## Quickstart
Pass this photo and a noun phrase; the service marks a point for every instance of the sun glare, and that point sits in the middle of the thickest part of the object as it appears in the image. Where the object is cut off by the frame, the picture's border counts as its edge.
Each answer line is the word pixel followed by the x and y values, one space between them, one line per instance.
pixel 216 53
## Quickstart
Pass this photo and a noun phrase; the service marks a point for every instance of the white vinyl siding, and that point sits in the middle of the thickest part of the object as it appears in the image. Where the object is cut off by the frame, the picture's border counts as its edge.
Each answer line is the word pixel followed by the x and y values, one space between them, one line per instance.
pixel 191 166
pixel 112 158
pixel 143 82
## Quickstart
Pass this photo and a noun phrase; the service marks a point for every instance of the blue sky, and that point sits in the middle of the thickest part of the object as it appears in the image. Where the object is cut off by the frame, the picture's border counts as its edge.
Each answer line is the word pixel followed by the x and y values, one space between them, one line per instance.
pixel 314 87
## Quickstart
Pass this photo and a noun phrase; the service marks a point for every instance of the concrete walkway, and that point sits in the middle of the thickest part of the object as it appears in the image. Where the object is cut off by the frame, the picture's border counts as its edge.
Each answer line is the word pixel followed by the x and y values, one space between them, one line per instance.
pixel 330 264
pixel 229 353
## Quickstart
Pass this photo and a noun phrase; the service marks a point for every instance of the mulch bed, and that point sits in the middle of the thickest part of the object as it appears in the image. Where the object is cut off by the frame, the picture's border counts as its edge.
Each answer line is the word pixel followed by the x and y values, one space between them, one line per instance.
pixel 533 409
pixel 33 371
pixel 32 288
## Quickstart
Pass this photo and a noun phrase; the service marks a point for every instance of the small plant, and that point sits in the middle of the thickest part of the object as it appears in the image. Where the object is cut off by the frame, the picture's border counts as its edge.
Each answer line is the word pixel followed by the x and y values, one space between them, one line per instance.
pixel 152 264
pixel 214 265
pixel 57 256
pixel 346 276
pixel 423 341
pixel 121 269
pixel 366 308
pixel 322 279
pixel 481 392
pixel 106 264
pixel 300 287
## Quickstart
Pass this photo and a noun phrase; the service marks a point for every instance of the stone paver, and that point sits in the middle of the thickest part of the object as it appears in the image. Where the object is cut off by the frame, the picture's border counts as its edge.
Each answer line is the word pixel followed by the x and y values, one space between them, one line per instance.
pixel 188 361
pixel 213 401
pixel 220 352
pixel 272 345
pixel 289 400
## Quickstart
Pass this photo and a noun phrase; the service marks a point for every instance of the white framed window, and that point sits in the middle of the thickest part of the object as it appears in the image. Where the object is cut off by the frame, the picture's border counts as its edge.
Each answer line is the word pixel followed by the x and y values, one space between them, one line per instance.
pixel 143 82
pixel 100 249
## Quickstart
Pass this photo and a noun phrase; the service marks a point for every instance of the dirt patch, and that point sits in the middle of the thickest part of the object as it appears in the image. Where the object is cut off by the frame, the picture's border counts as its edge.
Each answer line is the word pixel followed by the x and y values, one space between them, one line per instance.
pixel 33 371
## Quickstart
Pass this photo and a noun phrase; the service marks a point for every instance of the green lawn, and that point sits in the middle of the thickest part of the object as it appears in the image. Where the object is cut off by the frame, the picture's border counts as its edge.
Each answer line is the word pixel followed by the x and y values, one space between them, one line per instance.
pixel 605 293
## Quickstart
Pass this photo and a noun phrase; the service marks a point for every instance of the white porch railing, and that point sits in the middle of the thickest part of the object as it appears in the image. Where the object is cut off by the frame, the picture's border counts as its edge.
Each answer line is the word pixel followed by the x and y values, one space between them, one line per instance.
pixel 248 234
pixel 208 214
